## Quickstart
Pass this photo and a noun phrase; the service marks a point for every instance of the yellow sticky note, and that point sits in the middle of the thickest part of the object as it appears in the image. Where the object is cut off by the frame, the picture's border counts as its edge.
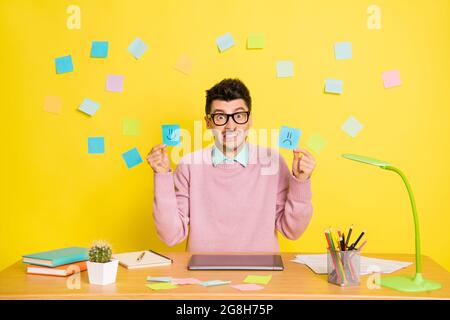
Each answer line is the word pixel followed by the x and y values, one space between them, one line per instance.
pixel 258 279
pixel 52 104
pixel 161 286
pixel 184 64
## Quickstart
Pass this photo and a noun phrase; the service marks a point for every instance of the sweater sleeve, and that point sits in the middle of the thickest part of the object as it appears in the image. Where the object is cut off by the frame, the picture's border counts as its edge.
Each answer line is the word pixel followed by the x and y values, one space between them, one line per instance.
pixel 294 206
pixel 171 205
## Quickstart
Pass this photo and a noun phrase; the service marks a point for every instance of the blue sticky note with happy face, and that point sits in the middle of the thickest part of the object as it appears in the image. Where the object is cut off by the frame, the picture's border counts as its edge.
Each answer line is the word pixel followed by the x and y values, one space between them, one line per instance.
pixel 333 86
pixel 99 49
pixel 289 137
pixel 64 64
pixel 225 42
pixel 96 145
pixel 132 158
pixel 343 50
pixel 171 134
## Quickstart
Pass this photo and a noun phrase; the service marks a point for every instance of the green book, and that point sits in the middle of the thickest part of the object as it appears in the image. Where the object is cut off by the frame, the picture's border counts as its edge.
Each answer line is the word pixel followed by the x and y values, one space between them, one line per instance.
pixel 55 258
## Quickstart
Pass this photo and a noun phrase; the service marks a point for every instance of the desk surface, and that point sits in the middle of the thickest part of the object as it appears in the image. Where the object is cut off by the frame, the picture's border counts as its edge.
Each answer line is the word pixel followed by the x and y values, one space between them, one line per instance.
pixel 297 281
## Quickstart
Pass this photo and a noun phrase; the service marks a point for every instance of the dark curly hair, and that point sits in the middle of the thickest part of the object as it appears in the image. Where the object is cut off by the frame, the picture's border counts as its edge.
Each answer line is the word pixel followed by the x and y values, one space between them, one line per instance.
pixel 227 90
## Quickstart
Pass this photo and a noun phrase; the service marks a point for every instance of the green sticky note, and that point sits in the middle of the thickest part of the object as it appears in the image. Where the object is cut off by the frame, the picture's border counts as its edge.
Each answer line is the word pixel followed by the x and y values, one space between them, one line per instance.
pixel 316 143
pixel 130 127
pixel 255 41
pixel 258 279
pixel 161 286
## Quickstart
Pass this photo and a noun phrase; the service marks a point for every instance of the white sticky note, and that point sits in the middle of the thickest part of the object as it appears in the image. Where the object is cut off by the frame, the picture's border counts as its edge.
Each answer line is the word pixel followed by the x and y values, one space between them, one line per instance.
pixel 89 107
pixel 352 126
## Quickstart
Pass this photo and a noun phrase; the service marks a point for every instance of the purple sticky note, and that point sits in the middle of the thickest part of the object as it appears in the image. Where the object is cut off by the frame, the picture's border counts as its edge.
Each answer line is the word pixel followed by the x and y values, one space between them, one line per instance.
pixel 114 83
pixel 391 78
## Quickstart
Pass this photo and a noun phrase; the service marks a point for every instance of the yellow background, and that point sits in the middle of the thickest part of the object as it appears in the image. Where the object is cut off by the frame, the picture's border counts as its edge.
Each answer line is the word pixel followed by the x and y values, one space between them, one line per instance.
pixel 54 194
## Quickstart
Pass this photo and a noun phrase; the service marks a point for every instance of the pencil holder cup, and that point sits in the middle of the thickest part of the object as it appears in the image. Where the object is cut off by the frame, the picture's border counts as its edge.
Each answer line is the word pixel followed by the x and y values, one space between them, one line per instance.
pixel 343 267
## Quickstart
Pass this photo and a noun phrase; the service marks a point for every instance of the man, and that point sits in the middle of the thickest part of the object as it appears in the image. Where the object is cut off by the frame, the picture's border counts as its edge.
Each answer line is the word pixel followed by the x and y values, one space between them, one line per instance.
pixel 226 202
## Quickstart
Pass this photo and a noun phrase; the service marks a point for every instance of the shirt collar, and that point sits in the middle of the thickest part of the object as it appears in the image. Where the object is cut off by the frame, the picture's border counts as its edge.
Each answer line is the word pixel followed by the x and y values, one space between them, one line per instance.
pixel 219 157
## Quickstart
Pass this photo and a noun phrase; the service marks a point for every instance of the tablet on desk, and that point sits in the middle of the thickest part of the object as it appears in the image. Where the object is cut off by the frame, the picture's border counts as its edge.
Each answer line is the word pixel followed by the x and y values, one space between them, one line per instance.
pixel 235 262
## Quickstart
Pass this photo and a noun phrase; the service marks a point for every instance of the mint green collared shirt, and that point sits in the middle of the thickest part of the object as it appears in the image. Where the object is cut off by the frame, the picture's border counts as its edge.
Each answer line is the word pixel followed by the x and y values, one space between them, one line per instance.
pixel 219 157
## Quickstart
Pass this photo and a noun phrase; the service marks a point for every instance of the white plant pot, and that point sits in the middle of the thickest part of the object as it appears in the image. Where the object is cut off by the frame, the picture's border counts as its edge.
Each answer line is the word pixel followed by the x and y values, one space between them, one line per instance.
pixel 102 273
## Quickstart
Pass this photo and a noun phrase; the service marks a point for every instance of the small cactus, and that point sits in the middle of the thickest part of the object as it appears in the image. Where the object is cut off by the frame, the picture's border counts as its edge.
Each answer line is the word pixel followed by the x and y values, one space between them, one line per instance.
pixel 100 252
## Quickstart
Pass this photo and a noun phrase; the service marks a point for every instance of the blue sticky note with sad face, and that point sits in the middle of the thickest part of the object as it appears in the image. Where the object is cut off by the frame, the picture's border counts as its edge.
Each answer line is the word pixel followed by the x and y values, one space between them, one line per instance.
pixel 289 137
pixel 171 134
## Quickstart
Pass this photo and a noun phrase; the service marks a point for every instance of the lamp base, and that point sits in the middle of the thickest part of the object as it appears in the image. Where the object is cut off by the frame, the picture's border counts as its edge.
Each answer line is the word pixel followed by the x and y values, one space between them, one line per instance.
pixel 408 284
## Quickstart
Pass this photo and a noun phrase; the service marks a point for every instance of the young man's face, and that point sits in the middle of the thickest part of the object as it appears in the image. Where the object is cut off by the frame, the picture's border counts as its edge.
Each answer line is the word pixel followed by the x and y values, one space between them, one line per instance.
pixel 232 135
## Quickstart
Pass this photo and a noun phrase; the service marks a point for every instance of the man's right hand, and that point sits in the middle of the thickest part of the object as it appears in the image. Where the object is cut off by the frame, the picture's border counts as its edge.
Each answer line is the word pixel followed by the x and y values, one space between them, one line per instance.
pixel 158 159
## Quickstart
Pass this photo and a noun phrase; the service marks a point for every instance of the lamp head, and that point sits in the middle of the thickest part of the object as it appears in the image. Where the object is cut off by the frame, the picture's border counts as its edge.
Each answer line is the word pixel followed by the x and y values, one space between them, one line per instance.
pixel 375 162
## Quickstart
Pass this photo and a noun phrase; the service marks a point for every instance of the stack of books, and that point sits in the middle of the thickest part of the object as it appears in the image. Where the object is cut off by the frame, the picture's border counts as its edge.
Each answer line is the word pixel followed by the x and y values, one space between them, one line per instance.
pixel 60 262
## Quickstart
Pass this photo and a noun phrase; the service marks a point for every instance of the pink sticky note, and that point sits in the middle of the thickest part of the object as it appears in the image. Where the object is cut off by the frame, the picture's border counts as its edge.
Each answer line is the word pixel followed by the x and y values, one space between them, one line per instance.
pixel 185 281
pixel 114 83
pixel 391 78
pixel 248 287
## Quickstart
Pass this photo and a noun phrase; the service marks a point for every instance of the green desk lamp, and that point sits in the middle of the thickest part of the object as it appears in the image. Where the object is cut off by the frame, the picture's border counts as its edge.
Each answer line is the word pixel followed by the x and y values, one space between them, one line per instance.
pixel 402 283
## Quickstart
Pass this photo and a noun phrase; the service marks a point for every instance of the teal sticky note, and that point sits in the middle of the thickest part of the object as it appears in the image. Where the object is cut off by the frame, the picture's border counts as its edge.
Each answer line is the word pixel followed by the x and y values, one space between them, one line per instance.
pixel 285 69
pixel 64 64
pixel 225 42
pixel 137 48
pixel 352 126
pixel 214 283
pixel 159 279
pixel 132 158
pixel 99 49
pixel 333 86
pixel 96 145
pixel 89 107
pixel 171 134
pixel 343 50
pixel 289 137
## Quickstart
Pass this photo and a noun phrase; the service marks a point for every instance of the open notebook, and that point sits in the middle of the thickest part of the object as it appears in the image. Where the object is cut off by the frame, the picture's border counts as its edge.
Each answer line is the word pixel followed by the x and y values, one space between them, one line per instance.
pixel 150 259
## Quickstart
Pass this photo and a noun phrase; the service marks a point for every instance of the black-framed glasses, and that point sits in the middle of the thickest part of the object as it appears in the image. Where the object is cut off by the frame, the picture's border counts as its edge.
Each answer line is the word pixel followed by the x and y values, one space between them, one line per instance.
pixel 221 119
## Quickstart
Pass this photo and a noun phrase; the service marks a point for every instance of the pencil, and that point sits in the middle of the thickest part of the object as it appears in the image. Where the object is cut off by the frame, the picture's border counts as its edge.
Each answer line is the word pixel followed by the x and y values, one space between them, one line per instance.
pixel 348 236
pixel 333 258
pixel 357 240
pixel 360 247
pixel 339 262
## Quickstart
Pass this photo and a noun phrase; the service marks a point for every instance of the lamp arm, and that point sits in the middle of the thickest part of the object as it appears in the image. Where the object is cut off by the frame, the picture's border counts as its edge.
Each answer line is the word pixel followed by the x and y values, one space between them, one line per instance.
pixel 416 218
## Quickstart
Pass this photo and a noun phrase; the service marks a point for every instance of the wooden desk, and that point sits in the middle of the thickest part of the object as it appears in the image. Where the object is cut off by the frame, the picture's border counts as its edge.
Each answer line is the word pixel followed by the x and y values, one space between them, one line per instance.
pixel 297 281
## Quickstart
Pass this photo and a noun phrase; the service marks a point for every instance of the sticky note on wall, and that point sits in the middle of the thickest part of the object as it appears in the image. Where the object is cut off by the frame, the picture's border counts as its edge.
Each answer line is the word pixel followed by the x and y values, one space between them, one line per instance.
pixel 343 50
pixel 391 78
pixel 255 41
pixel 96 145
pixel 132 158
pixel 316 143
pixel 333 86
pixel 52 104
pixel 225 42
pixel 130 127
pixel 137 48
pixel 114 83
pixel 285 69
pixel 171 134
pixel 99 49
pixel 89 107
pixel 352 126
pixel 64 64
pixel 289 137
